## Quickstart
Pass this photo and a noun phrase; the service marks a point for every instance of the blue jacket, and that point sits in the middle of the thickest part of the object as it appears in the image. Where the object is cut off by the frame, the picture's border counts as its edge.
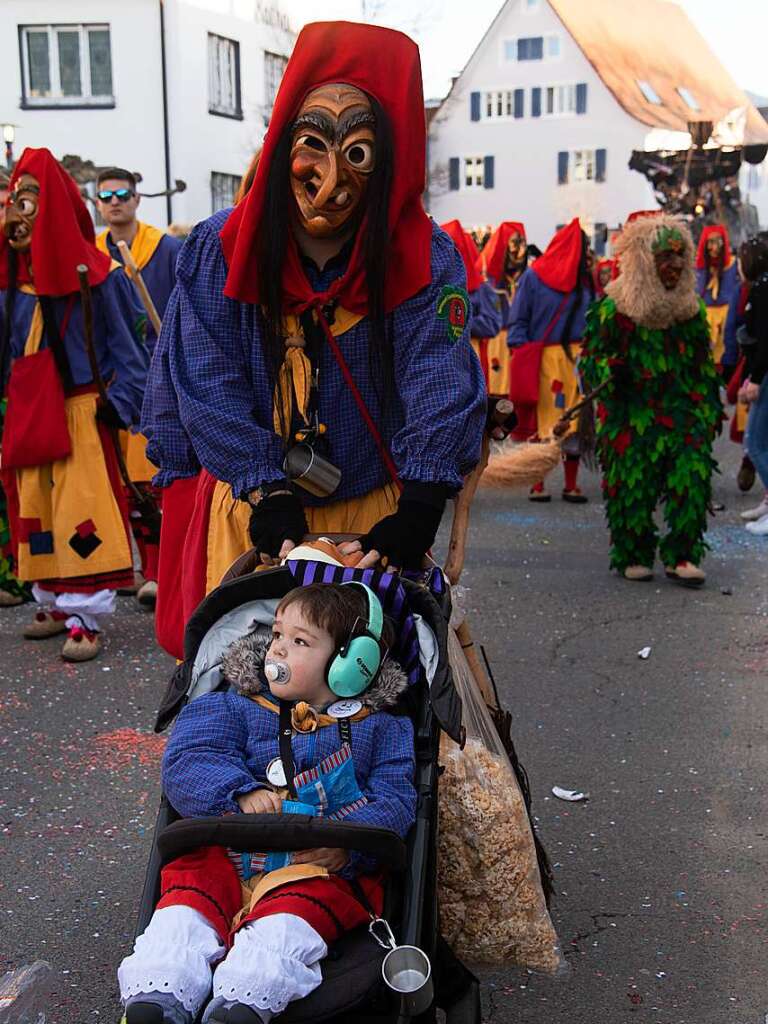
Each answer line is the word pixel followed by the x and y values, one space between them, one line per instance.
pixel 159 276
pixel 486 315
pixel 209 395
pixel 119 323
pixel 222 743
pixel 534 306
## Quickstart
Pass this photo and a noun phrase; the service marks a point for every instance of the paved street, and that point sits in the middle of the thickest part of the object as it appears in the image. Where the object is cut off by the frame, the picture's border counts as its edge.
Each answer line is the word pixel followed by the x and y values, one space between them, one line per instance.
pixel 661 902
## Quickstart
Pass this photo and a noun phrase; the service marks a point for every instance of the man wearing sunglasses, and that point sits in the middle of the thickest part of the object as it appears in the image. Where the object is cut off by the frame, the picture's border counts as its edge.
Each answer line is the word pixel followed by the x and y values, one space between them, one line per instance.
pixel 155 255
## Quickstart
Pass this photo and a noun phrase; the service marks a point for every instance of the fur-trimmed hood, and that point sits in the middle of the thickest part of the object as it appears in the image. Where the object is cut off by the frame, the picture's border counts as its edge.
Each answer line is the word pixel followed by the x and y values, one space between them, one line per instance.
pixel 637 291
pixel 243 663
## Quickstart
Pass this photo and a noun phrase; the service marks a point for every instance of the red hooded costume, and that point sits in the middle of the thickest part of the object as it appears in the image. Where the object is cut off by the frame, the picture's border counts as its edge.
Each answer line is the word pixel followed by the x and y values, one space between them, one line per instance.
pixel 701 251
pixel 366 61
pixel 490 261
pixel 63 234
pixel 467 250
pixel 558 268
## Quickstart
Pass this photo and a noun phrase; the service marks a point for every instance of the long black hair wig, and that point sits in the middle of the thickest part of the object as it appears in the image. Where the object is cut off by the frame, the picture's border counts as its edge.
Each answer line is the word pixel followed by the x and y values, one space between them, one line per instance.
pixel 584 281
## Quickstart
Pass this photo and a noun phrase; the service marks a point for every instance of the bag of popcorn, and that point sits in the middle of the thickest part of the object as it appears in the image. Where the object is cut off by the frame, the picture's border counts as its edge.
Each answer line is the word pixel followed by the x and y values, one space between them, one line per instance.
pixel 492 906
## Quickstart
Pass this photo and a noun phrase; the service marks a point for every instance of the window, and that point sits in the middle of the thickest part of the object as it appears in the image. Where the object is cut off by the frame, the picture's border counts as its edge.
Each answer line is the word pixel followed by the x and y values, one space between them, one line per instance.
pixel 223 190
pixel 532 48
pixel 274 66
pixel 530 5
pixel 560 99
pixel 224 77
pixel 498 105
pixel 649 92
pixel 581 165
pixel 474 172
pixel 688 97
pixel 66 66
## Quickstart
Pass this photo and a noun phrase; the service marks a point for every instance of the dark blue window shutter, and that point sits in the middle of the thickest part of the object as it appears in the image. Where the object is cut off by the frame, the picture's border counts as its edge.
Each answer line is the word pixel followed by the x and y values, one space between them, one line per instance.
pixel 474 106
pixel 601 237
pixel 581 98
pixel 600 160
pixel 522 49
pixel 453 173
pixel 537 48
pixel 519 101
pixel 536 102
pixel 562 168
pixel 488 172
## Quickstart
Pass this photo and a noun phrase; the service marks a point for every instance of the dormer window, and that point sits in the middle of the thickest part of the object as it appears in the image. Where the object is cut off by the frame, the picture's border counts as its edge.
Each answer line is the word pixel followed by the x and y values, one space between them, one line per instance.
pixel 649 92
pixel 687 96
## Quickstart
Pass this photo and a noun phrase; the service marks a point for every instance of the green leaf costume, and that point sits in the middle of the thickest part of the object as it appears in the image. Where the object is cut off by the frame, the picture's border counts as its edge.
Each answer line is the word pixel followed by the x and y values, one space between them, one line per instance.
pixel 655 425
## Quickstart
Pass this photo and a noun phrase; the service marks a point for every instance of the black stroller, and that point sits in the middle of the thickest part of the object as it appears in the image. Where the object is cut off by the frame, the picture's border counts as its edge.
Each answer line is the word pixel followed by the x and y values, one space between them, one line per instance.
pixel 353 987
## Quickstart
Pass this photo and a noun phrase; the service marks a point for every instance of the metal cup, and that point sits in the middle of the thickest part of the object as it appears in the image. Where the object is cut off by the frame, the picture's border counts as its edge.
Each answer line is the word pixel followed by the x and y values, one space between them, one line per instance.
pixel 408 973
pixel 303 466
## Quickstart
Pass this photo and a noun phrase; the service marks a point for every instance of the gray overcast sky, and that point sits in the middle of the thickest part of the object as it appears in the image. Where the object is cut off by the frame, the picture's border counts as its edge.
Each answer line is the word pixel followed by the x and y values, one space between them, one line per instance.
pixel 448 31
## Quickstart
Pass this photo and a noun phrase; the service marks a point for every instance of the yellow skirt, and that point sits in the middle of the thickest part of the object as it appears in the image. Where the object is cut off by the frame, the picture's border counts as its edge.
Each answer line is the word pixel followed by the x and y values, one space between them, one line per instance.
pixel 495 359
pixel 228 529
pixel 717 315
pixel 559 387
pixel 70 524
pixel 134 447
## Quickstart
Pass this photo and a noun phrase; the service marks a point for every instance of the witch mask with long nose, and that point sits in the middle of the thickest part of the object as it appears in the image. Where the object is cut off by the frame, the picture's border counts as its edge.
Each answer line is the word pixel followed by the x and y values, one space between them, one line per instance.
pixel 333 152
pixel 21 212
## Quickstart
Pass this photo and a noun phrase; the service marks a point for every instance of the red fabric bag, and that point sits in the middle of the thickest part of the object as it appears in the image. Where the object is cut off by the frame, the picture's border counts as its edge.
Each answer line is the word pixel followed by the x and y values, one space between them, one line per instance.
pixel 35 431
pixel 525 369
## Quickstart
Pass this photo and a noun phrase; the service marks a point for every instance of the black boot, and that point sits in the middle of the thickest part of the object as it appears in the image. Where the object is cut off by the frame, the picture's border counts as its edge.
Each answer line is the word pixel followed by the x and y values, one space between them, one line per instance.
pixel 144 1013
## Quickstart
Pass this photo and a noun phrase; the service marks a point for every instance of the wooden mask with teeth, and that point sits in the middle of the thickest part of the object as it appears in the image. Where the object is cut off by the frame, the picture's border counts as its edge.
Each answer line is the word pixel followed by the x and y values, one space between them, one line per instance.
pixel 333 151
pixel 21 212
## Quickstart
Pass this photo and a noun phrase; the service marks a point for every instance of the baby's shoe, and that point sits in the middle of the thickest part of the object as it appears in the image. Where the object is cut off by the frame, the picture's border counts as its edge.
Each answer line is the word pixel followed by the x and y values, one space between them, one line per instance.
pixel 221 1012
pixel 156 1008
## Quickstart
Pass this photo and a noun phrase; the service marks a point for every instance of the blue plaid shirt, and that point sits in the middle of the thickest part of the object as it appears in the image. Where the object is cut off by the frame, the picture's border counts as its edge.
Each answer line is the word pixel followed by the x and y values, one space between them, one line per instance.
pixel 209 397
pixel 222 743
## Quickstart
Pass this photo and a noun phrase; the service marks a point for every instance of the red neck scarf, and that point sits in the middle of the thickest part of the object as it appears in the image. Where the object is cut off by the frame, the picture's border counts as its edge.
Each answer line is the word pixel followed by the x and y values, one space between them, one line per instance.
pixel 467 251
pixel 62 235
pixel 491 259
pixel 558 268
pixel 702 261
pixel 385 65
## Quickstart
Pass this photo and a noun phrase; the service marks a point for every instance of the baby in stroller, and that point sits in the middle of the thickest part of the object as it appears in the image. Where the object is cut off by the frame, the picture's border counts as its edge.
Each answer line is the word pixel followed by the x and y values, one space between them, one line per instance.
pixel 308 727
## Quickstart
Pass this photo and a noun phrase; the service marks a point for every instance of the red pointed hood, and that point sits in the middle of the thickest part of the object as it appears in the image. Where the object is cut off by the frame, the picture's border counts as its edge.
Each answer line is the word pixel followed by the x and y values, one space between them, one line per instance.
pixel 491 260
pixel 558 267
pixel 701 251
pixel 468 251
pixel 384 64
pixel 63 234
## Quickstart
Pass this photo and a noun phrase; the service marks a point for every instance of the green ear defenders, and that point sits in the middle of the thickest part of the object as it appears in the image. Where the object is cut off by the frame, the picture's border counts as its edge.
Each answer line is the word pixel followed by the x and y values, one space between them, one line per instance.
pixel 354 668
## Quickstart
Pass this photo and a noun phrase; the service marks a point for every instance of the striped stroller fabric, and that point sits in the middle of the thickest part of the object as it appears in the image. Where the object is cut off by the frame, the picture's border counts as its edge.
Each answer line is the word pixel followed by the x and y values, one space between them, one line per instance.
pixel 392 596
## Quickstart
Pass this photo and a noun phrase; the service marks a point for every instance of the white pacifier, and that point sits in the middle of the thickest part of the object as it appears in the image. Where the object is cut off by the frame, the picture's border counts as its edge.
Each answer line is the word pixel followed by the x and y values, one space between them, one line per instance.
pixel 277 672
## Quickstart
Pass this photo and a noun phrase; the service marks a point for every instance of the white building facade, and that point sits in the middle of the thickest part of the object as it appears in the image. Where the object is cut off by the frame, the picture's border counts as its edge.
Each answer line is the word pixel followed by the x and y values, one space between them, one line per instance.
pixel 529 132
pixel 180 89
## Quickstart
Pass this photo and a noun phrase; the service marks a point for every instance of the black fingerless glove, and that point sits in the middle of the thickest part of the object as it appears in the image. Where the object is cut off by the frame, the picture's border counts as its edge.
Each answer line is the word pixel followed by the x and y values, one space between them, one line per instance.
pixel 405 537
pixel 277 518
pixel 107 414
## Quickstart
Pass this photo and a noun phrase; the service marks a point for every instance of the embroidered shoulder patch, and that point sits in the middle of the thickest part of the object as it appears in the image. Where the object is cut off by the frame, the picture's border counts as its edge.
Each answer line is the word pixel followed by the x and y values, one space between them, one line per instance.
pixel 453 307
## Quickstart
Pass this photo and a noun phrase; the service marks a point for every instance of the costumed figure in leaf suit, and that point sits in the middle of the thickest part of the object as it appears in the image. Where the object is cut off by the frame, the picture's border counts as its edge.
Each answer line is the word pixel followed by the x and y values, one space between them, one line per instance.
pixel 545 335
pixel 486 318
pixel 155 253
pixel 658 415
pixel 67 509
pixel 501 264
pixel 325 317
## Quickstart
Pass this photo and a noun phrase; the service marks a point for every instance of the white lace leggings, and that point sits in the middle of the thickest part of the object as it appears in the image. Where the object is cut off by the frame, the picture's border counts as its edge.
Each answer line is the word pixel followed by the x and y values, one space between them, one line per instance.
pixel 272 961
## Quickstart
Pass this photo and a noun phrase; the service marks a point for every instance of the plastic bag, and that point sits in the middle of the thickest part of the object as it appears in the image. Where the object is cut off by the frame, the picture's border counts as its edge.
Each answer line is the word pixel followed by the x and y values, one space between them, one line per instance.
pixel 492 905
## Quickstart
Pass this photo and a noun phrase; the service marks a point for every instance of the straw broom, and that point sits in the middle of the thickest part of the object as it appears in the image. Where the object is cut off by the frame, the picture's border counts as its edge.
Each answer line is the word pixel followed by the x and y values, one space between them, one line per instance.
pixel 526 464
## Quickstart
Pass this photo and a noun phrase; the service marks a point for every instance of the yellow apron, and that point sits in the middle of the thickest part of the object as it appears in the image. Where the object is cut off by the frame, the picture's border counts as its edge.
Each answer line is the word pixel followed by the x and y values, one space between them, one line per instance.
pixel 717 315
pixel 69 520
pixel 228 527
pixel 559 387
pixel 134 448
